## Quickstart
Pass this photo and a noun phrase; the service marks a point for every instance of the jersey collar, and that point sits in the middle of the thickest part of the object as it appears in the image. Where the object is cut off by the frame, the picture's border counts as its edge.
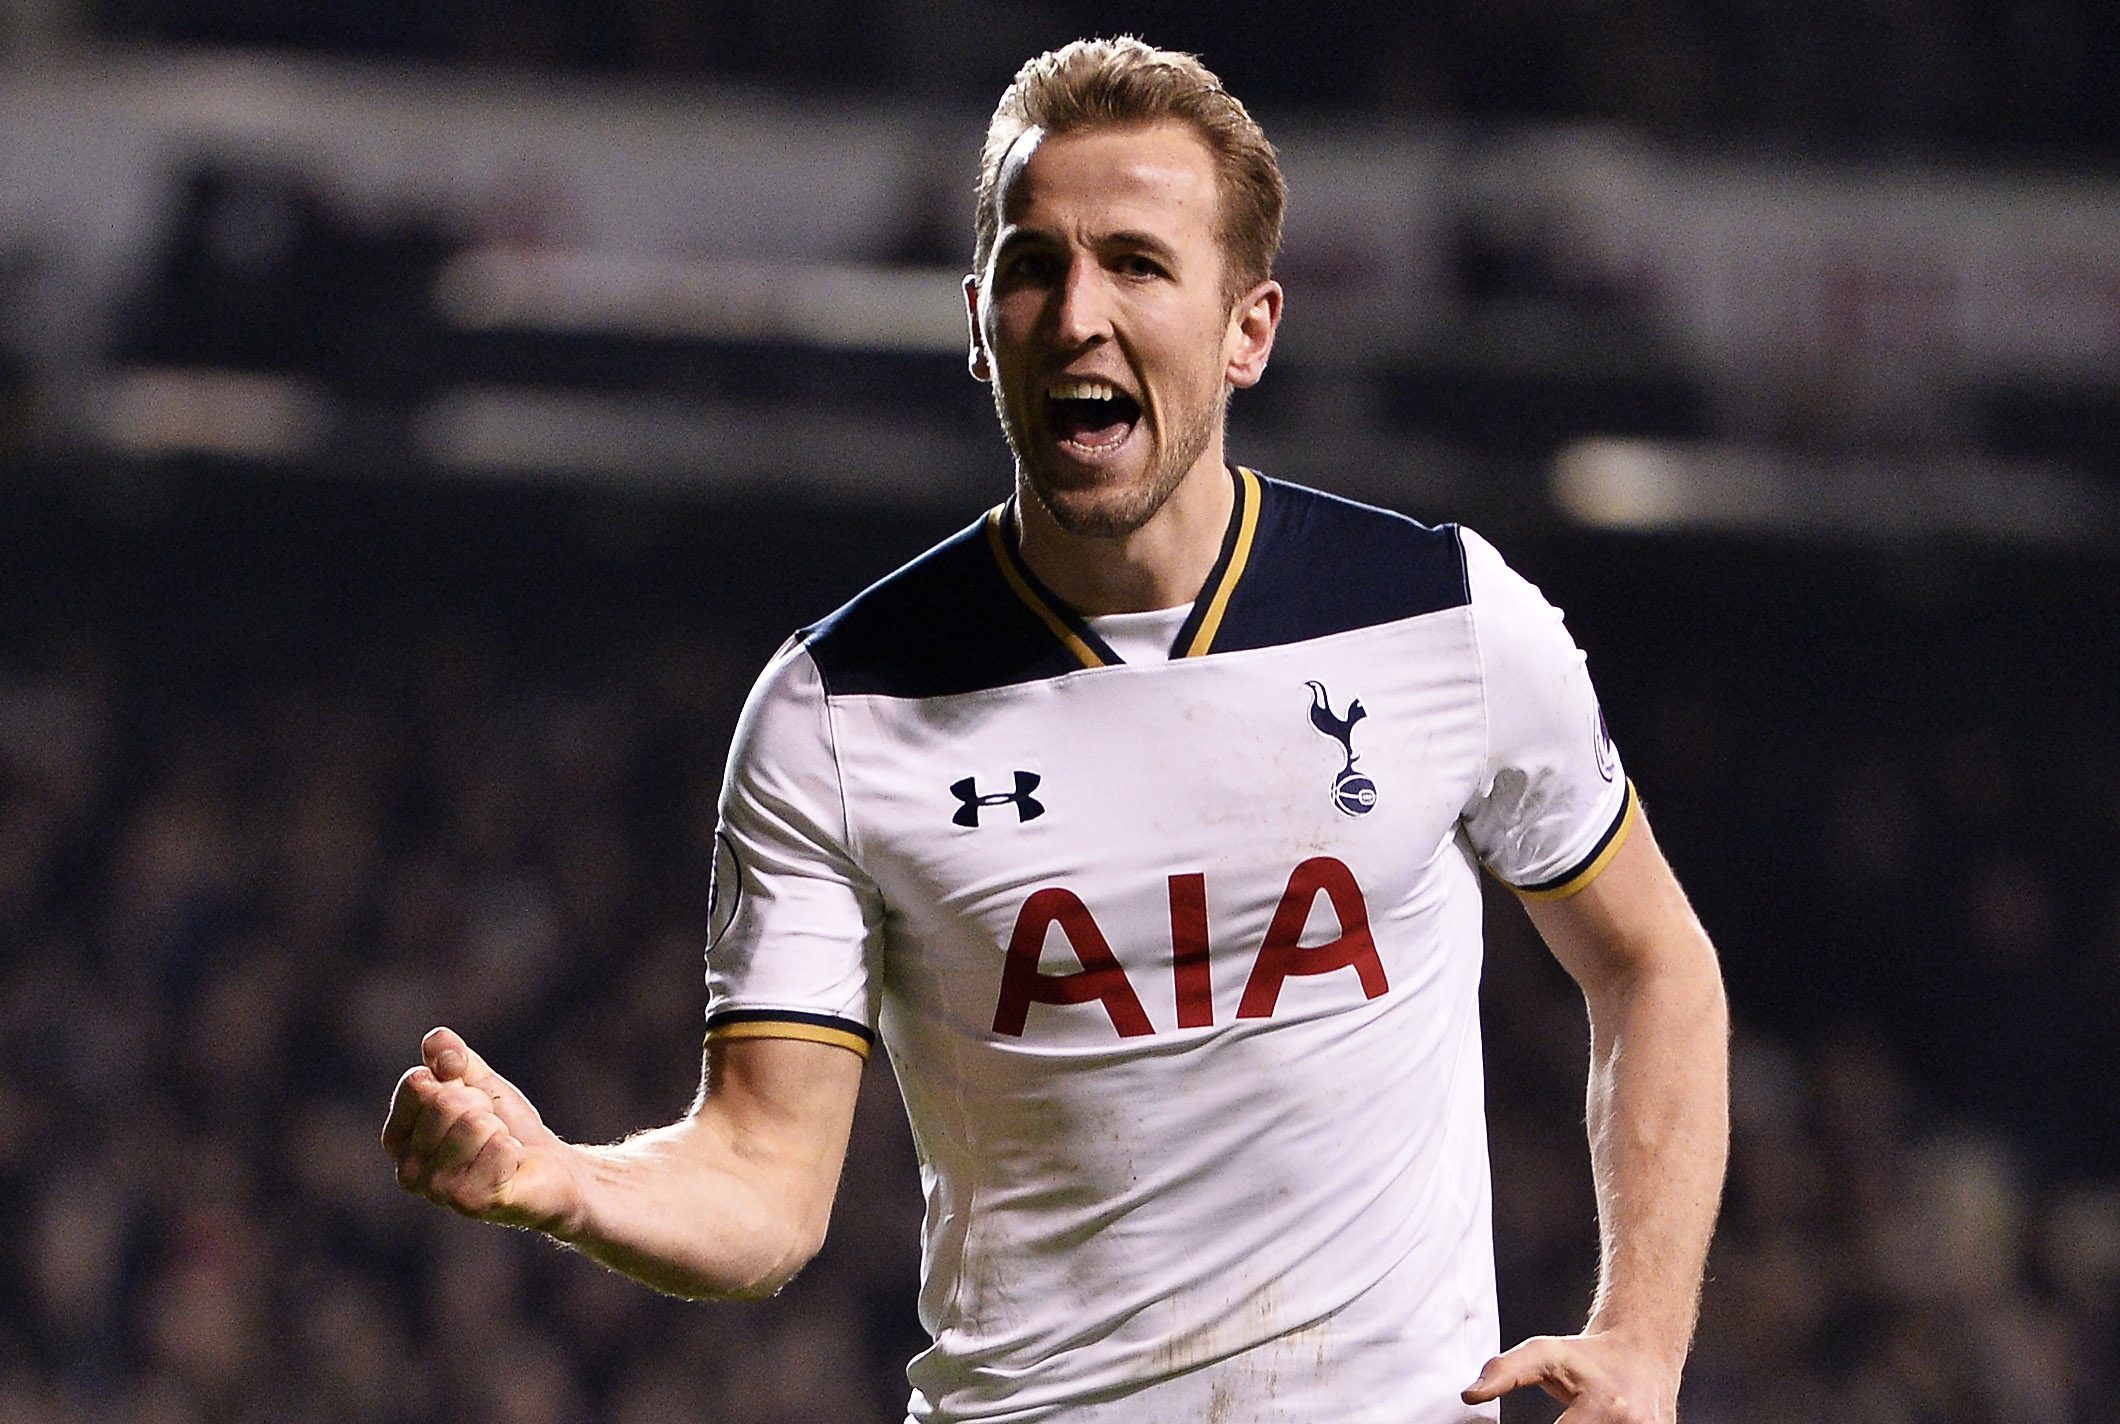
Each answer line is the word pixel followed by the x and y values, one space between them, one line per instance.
pixel 1195 639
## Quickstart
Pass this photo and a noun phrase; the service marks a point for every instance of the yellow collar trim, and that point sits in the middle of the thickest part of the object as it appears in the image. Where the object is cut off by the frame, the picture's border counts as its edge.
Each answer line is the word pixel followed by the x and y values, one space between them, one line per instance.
pixel 997 540
pixel 1218 602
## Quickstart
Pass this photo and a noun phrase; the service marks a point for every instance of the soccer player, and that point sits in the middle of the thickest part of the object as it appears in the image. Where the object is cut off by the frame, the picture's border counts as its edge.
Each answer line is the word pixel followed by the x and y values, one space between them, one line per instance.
pixel 1142 822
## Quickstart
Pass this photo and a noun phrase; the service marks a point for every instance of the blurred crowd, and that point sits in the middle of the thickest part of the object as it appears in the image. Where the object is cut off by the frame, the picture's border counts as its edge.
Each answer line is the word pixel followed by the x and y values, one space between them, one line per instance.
pixel 288 775
pixel 1875 76
pixel 292 770
pixel 246 858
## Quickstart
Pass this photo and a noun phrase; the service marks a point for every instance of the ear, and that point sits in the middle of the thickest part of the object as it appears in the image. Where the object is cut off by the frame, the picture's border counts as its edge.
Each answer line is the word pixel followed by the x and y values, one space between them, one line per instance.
pixel 982 368
pixel 1252 324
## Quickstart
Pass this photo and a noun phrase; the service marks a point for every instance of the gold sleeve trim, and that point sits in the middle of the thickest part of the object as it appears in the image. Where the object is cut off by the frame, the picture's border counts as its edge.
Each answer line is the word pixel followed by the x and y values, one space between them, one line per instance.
pixel 781 1028
pixel 1597 863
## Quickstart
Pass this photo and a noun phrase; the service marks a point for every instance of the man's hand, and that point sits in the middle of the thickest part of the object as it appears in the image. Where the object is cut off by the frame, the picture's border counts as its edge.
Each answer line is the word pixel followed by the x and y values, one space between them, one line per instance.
pixel 466 1138
pixel 1600 1377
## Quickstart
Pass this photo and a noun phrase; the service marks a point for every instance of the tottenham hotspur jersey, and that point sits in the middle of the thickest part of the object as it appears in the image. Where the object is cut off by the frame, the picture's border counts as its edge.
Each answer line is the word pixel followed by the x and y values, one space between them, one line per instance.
pixel 1176 962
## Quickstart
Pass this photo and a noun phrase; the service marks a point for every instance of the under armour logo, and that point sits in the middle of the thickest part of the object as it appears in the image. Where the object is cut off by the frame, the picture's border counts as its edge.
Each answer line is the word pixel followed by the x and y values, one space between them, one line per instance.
pixel 1352 792
pixel 1028 807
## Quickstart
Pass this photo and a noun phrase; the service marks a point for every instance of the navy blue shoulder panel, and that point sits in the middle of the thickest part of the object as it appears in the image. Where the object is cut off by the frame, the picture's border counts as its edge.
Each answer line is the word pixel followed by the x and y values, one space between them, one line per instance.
pixel 945 623
pixel 1322 565
pixel 948 622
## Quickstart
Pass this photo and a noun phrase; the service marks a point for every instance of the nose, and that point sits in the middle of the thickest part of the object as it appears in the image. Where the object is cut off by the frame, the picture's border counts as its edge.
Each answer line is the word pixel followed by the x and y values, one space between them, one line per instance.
pixel 1081 308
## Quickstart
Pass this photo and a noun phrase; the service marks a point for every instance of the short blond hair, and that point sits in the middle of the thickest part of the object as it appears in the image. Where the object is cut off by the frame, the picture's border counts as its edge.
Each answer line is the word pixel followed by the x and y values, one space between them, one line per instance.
pixel 1124 83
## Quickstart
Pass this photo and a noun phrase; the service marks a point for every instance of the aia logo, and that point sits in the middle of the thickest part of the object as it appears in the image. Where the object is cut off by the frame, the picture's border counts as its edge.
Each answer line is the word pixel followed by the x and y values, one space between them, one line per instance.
pixel 970 802
pixel 1282 955
pixel 1354 793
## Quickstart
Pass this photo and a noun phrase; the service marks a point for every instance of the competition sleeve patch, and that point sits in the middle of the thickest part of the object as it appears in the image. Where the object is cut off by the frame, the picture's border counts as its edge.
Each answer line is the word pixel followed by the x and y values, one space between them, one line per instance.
pixel 1560 887
pixel 786 1023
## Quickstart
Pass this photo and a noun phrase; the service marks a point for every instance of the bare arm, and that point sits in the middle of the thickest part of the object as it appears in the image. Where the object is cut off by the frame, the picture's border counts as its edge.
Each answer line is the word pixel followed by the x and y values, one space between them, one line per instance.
pixel 1659 1137
pixel 729 1201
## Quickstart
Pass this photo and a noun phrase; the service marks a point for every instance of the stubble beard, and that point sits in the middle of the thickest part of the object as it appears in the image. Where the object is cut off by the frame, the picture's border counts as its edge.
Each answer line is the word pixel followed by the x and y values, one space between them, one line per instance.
pixel 1101 513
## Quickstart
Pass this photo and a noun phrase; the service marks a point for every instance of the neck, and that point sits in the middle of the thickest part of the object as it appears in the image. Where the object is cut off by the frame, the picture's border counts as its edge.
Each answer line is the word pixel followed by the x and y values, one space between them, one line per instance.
pixel 1159 565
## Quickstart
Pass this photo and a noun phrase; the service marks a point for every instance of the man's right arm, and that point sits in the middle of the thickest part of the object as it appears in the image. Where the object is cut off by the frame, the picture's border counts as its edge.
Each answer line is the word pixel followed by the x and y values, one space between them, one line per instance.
pixel 732 1199
pixel 729 1201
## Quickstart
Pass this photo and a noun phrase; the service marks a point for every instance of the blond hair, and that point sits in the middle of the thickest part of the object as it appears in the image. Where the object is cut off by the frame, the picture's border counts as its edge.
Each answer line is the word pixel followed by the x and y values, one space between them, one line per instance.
pixel 1124 83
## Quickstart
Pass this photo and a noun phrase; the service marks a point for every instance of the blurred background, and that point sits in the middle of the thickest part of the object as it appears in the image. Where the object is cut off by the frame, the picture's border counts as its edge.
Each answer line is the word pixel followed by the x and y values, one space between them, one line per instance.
pixel 419 422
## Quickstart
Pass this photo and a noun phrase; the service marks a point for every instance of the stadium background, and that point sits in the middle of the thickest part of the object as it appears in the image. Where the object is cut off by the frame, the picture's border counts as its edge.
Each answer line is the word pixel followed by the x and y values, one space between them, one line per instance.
pixel 418 422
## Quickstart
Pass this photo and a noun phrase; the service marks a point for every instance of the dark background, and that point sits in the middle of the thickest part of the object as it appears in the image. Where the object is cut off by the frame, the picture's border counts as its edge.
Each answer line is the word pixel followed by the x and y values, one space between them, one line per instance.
pixel 300 756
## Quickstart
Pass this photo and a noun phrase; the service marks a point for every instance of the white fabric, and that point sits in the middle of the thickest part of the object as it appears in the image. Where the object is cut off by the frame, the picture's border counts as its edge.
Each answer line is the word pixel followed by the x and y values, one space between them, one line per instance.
pixel 1141 637
pixel 1553 783
pixel 1278 1217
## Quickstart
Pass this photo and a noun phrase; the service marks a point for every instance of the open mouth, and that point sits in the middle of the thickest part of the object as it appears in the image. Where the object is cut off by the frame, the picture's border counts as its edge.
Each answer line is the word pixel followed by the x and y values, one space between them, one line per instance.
pixel 1093 416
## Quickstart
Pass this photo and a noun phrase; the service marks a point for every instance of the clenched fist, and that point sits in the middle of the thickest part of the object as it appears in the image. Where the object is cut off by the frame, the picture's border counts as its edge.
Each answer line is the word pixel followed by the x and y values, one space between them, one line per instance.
pixel 466 1138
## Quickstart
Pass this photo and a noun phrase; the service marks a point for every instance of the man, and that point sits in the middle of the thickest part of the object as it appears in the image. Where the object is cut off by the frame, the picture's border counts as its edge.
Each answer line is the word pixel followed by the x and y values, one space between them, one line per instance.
pixel 1141 822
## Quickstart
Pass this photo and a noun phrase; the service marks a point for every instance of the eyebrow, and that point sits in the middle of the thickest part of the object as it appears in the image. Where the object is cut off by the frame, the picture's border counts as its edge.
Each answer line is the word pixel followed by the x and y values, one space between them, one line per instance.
pixel 1018 236
pixel 1125 239
pixel 1142 242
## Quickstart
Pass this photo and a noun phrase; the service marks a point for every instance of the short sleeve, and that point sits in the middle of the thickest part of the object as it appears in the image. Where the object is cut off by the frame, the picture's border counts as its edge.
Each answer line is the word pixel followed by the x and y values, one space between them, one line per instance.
pixel 794 922
pixel 1553 804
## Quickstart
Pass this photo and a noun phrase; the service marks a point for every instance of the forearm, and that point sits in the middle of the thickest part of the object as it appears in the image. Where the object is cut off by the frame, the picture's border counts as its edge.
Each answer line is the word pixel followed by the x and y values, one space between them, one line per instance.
pixel 688 1210
pixel 1659 1135
pixel 733 1200
pixel 1658 1119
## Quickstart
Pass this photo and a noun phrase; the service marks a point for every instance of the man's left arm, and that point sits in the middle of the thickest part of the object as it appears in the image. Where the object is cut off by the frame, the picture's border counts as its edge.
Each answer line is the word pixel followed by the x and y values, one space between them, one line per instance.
pixel 1659 1138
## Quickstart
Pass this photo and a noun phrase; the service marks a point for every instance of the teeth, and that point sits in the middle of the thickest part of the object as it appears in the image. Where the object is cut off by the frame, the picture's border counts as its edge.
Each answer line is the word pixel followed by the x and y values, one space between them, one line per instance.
pixel 1082 390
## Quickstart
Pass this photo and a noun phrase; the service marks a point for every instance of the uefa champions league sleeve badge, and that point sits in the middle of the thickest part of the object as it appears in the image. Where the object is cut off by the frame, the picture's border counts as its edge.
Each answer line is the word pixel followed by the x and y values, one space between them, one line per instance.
pixel 724 888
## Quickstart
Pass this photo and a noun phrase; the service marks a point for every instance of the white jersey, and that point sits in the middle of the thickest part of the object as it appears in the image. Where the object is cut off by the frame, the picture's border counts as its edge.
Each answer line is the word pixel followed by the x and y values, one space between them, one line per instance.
pixel 1177 962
